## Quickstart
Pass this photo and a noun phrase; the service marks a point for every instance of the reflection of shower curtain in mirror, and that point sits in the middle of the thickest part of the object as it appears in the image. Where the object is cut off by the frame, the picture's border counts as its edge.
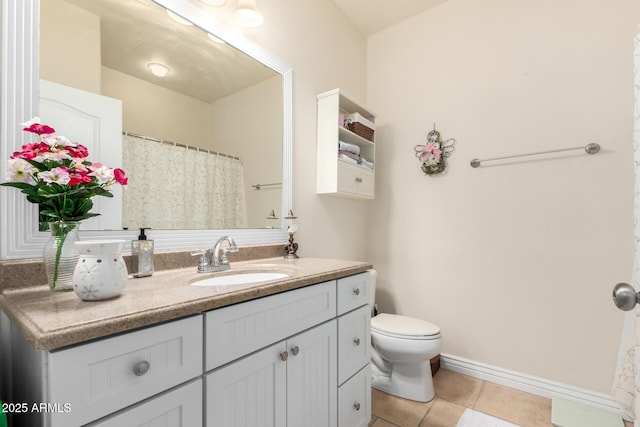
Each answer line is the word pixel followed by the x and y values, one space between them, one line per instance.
pixel 172 187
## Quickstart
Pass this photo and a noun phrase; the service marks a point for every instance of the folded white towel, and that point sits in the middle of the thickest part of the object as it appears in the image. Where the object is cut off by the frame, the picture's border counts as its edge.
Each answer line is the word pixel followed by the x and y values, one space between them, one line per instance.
pixel 347 159
pixel 366 163
pixel 345 146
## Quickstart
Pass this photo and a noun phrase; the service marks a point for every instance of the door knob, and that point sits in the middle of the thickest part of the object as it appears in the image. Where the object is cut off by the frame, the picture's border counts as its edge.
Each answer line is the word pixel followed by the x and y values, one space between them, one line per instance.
pixel 625 297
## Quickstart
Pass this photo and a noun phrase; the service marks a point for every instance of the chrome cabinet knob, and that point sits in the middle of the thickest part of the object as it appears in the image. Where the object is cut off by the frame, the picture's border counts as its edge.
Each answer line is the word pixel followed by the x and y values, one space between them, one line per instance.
pixel 295 350
pixel 358 179
pixel 356 406
pixel 141 368
pixel 356 341
pixel 284 356
pixel 356 291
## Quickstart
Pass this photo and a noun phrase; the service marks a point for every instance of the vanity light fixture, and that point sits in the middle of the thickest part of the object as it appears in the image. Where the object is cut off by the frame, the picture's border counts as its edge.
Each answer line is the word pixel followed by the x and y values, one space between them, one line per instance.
pixel 247 14
pixel 177 18
pixel 157 69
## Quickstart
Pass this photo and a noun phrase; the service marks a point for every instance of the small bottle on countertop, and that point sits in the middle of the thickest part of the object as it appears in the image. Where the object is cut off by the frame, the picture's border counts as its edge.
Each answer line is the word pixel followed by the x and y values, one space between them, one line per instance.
pixel 142 256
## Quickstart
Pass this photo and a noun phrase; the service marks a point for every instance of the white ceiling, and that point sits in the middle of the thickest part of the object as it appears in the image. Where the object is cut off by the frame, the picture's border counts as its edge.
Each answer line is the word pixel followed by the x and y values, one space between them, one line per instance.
pixel 371 16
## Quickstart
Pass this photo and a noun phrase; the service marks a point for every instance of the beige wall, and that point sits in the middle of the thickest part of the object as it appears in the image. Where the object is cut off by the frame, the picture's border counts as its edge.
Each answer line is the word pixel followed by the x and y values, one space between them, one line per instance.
pixel 69 45
pixel 325 52
pixel 249 125
pixel 515 262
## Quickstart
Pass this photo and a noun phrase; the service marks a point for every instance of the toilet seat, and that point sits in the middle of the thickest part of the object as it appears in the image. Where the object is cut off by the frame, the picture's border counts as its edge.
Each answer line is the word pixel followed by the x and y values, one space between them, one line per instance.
pixel 404 327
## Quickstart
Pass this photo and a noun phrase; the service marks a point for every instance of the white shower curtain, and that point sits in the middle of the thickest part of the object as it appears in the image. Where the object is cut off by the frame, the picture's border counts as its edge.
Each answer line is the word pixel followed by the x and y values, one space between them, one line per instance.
pixel 626 387
pixel 172 187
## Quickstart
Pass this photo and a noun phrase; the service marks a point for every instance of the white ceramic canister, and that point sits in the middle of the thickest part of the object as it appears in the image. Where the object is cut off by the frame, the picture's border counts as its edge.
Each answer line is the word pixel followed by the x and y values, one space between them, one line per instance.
pixel 101 272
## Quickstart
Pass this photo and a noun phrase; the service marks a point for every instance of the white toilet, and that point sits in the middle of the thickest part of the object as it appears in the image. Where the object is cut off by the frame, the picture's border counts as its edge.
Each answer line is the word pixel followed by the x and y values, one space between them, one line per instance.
pixel 401 350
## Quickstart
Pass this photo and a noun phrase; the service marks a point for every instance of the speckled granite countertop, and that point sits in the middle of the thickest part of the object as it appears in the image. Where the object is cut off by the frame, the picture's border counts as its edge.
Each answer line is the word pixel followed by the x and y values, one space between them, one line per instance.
pixel 53 320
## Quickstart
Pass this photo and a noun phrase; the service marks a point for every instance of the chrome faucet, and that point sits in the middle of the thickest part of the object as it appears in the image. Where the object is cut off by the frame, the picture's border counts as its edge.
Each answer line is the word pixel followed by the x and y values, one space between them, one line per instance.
pixel 216 261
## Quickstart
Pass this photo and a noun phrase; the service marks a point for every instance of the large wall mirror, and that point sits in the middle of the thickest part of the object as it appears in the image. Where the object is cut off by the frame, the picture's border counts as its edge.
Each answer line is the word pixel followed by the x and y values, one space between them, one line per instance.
pixel 224 101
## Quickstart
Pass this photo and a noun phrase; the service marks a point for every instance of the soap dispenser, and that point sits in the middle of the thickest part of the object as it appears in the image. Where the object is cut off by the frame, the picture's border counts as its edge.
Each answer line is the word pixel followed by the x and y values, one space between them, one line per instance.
pixel 142 256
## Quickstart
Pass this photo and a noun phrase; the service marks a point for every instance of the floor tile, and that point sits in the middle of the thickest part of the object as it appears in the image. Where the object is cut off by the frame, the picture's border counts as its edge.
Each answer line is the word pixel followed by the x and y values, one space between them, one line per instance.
pixel 443 414
pixel 398 411
pixel 379 422
pixel 514 406
pixel 457 388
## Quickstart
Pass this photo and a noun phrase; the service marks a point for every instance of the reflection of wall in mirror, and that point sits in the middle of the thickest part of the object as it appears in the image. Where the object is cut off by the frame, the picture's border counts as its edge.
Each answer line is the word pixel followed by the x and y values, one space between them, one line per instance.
pixel 73 58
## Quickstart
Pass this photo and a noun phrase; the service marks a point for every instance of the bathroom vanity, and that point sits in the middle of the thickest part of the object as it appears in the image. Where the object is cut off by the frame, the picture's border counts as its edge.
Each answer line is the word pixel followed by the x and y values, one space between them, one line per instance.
pixel 288 352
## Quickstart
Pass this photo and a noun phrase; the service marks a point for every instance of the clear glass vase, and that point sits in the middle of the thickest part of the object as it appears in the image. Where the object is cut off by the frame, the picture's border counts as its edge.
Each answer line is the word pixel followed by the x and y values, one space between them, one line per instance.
pixel 60 255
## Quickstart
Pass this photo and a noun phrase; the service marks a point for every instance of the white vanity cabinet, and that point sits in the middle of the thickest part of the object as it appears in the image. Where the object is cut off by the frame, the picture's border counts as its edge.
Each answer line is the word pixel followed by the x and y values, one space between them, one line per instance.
pixel 296 358
pixel 80 384
pixel 335 176
pixel 290 383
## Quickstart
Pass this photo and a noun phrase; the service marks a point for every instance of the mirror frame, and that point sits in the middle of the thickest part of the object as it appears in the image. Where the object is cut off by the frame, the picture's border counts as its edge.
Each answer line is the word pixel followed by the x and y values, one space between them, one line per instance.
pixel 19 237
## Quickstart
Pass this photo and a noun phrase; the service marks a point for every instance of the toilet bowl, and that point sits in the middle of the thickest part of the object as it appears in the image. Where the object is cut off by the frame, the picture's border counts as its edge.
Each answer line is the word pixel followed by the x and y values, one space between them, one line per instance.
pixel 401 350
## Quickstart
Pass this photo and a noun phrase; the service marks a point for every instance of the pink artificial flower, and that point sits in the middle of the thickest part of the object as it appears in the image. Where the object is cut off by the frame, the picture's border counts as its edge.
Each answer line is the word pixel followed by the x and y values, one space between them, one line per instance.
pixel 79 151
pixel 78 177
pixel 31 151
pixel 102 173
pixel 58 175
pixel 121 179
pixel 54 140
pixel 34 126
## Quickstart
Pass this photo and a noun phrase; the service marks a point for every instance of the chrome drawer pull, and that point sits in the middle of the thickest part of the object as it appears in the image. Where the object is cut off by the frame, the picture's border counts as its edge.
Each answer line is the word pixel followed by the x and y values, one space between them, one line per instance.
pixel 356 406
pixel 295 350
pixel 284 356
pixel 358 179
pixel 356 341
pixel 356 291
pixel 141 368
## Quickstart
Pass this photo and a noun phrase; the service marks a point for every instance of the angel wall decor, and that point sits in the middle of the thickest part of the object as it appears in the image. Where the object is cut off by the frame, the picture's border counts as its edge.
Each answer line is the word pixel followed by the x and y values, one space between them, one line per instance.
pixel 432 155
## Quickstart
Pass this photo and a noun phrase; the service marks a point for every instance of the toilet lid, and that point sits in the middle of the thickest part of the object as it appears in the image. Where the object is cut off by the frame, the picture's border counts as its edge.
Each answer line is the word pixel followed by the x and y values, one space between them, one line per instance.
pixel 403 326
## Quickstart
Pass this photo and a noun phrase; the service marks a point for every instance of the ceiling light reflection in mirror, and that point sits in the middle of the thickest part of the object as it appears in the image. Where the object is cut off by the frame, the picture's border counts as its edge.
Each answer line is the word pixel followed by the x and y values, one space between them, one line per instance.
pixel 214 98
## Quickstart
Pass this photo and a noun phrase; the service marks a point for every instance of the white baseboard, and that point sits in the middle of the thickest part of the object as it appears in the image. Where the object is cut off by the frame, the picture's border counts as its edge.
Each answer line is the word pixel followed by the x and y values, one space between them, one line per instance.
pixel 530 384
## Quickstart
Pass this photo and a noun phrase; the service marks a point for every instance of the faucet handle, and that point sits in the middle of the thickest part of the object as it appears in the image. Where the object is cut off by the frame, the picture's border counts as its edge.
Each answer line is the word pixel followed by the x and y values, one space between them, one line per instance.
pixel 202 262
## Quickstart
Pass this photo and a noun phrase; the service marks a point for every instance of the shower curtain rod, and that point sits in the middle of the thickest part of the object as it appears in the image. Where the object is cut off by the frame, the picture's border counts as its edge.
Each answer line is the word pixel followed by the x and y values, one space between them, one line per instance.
pixel 592 148
pixel 175 144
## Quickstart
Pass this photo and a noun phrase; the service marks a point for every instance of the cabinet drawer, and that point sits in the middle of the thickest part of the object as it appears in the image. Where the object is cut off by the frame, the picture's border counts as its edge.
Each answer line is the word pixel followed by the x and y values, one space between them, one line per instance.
pixel 354 400
pixel 176 408
pixel 99 378
pixel 354 337
pixel 355 180
pixel 237 330
pixel 353 292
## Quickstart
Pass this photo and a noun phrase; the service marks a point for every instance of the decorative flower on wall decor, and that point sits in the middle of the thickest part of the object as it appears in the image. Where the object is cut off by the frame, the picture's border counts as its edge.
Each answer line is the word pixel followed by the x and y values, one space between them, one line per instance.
pixel 432 155
pixel 55 174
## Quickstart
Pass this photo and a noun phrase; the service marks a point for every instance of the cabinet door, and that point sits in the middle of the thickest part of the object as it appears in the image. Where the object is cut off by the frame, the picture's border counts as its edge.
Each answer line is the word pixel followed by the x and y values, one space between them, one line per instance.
pixel 249 392
pixel 312 377
pixel 176 408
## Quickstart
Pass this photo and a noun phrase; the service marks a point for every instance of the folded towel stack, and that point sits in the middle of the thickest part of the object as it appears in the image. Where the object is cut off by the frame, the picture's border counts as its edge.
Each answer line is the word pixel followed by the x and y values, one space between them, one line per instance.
pixel 366 163
pixel 351 148
pixel 350 153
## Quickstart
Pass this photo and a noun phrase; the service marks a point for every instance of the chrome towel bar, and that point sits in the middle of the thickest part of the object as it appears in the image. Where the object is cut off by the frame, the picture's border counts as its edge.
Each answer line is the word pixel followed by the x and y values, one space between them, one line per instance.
pixel 592 148
pixel 259 186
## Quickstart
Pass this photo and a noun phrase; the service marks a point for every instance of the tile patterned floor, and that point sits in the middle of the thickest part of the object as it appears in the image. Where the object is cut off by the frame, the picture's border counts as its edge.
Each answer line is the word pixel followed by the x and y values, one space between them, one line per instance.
pixel 456 392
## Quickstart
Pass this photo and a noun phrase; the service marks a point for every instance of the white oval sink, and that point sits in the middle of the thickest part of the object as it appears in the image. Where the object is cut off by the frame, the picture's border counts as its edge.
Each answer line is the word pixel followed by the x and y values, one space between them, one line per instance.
pixel 239 279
